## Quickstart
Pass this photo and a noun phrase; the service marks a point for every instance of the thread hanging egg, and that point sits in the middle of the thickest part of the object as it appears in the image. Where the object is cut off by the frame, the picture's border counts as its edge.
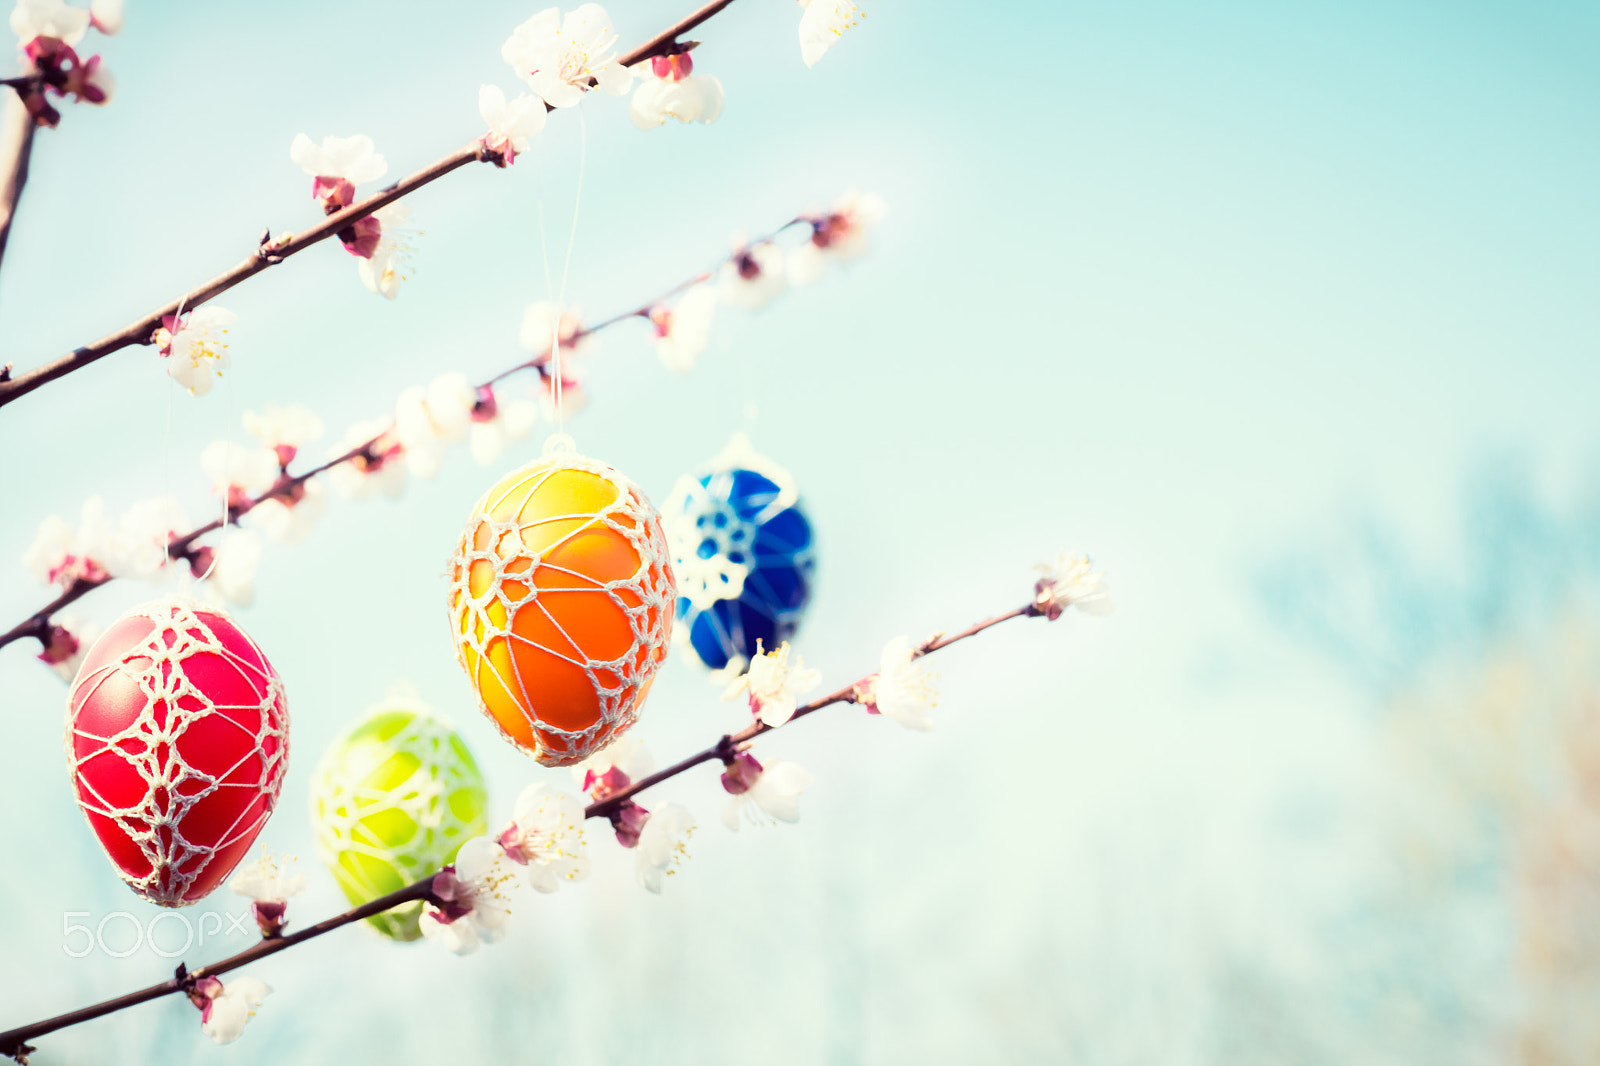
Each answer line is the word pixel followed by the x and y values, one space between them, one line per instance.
pixel 178 740
pixel 561 600
pixel 392 799
pixel 743 555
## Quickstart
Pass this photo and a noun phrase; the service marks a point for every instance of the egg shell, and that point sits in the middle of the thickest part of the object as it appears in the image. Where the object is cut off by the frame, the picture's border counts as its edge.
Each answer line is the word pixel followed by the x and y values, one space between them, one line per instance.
pixel 392 800
pixel 561 602
pixel 744 556
pixel 178 741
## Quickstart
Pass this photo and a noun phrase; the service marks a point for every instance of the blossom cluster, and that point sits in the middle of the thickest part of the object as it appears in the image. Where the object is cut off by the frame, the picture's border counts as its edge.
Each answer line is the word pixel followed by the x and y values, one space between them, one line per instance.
pixel 48 35
pixel 469 902
pixel 382 242
pixel 376 455
pixel 543 845
pixel 757 272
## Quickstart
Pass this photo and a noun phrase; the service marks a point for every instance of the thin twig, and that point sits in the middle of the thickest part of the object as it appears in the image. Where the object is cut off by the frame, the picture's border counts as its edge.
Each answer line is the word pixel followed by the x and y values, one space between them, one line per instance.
pixel 181 548
pixel 12 1040
pixel 139 331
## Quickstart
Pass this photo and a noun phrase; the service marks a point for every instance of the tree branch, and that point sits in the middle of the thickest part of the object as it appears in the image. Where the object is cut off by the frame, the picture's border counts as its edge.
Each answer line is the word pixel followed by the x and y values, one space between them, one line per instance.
pixel 268 255
pixel 13 1041
pixel 37 625
pixel 16 150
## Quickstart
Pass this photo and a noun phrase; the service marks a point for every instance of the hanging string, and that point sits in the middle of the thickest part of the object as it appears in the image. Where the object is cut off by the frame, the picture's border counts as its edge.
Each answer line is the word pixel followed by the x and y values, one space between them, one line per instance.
pixel 227 512
pixel 566 265
pixel 559 297
pixel 166 440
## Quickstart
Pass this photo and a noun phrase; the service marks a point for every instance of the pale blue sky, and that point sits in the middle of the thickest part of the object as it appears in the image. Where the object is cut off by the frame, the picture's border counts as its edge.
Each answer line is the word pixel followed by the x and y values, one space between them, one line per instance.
pixel 1182 286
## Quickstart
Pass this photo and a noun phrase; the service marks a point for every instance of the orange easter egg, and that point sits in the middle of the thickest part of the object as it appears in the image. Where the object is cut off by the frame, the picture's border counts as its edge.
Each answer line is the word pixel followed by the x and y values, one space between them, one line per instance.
pixel 561 600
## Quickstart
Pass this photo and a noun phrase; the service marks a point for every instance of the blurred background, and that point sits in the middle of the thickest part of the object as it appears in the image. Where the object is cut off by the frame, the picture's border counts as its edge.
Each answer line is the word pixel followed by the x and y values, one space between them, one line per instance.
pixel 1286 313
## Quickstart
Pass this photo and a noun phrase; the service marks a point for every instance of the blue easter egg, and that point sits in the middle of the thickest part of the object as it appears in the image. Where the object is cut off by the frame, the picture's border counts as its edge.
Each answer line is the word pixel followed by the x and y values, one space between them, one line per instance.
pixel 742 553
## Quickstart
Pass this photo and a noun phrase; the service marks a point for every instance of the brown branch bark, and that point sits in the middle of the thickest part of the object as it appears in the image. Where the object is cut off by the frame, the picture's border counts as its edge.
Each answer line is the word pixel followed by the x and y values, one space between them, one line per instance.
pixel 16 150
pixel 13 1042
pixel 268 255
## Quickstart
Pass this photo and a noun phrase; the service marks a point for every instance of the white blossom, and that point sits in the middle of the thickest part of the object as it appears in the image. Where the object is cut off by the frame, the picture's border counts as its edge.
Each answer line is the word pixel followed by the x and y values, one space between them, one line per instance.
pixel 1071 581
pixel 540 324
pixel 684 330
pixel 197 350
pixel 107 16
pixel 288 521
pixel 558 56
pixel 663 845
pixel 823 23
pixel 693 98
pixel 626 756
pixel 840 235
pixel 753 276
pixel 546 836
pixel 353 159
pixel 476 897
pixel 48 18
pixel 510 124
pixel 238 472
pixel 360 477
pixel 225 1008
pixel 384 270
pixel 774 788
pixel 283 429
pixel 427 419
pixel 773 684
pixel 511 419
pixel 59 554
pixel 236 558
pixel 903 688
pixel 138 547
pixel 268 880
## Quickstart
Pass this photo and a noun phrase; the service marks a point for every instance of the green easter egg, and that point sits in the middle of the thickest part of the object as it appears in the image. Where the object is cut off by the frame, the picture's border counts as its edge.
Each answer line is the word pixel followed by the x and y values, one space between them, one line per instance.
pixel 391 801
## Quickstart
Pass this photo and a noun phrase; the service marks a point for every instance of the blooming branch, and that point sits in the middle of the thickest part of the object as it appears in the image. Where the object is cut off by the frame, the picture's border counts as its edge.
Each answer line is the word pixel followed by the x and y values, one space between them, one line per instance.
pixel 270 252
pixel 370 455
pixel 447 891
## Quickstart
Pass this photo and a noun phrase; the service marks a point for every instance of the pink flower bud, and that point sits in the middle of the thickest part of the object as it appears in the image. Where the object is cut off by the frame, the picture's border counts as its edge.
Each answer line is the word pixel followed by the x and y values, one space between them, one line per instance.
pixel 454 898
pixel 866 694
pixel 270 916
pixel 59 646
pixel 629 821
pixel 673 67
pixel 201 560
pixel 486 408
pixel 747 266
pixel 601 786
pixel 334 193
pixel 743 771
pixel 361 237
pixel 203 993
pixel 661 319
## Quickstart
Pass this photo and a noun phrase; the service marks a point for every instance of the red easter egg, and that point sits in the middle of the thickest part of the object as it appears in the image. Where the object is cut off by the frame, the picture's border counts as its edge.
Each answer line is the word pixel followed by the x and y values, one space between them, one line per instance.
pixel 178 738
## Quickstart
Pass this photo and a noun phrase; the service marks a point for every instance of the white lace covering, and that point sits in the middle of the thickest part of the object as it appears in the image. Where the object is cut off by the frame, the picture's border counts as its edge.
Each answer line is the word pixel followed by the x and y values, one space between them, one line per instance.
pixel 699 515
pixel 393 798
pixel 178 740
pixel 523 582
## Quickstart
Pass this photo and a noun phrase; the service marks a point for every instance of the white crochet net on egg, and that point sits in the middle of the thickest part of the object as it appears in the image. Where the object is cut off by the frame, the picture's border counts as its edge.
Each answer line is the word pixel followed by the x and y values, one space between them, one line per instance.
pixel 149 744
pixel 618 682
pixel 696 513
pixel 345 805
